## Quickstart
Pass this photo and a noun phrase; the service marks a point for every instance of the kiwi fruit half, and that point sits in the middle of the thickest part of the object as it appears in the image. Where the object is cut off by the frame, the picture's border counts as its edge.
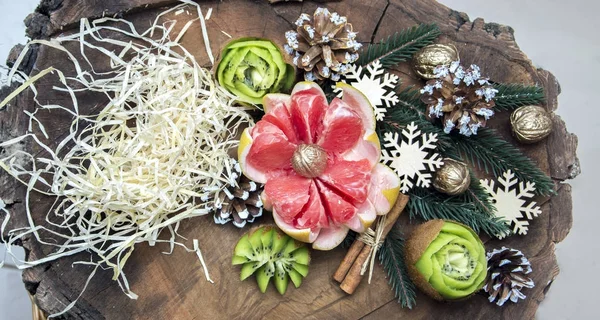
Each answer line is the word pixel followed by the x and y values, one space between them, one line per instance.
pixel 269 253
pixel 446 260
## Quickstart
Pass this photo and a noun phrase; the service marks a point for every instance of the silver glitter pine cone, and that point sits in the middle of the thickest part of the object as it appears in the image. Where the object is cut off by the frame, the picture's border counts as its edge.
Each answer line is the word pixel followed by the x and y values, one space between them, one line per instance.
pixel 239 202
pixel 508 271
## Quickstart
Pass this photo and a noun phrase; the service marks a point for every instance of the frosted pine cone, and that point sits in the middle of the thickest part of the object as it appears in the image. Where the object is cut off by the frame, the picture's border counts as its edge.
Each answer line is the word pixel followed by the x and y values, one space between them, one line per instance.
pixel 461 98
pixel 323 45
pixel 239 201
pixel 507 275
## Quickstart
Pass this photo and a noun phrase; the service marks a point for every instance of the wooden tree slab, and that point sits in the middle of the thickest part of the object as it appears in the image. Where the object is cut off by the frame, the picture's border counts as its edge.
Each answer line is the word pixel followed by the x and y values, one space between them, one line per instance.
pixel 173 286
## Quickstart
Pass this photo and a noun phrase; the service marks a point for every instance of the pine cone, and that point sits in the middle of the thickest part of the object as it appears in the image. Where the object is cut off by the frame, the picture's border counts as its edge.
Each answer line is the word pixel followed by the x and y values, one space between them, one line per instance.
pixel 323 46
pixel 239 201
pixel 507 275
pixel 461 98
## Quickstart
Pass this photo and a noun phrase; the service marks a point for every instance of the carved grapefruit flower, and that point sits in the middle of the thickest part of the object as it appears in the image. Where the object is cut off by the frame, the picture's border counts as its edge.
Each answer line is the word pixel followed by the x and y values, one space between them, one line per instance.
pixel 320 164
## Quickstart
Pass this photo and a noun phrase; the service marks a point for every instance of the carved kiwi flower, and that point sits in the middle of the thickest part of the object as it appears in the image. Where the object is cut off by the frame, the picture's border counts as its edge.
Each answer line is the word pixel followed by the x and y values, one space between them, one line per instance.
pixel 446 260
pixel 252 67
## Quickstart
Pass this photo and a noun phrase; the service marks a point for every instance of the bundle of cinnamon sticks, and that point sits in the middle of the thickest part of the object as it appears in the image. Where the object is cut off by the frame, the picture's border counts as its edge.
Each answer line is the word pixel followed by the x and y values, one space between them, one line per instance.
pixel 348 273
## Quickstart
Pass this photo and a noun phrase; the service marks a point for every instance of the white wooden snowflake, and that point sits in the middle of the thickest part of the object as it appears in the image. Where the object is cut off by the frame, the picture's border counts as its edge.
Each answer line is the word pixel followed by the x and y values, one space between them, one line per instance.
pixel 412 158
pixel 378 85
pixel 513 201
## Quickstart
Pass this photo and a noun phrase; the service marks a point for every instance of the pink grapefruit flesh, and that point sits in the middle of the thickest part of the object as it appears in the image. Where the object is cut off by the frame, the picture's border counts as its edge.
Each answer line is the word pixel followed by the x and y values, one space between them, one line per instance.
pixel 313 214
pixel 357 101
pixel 339 209
pixel 352 189
pixel 304 235
pixel 342 128
pixel 307 108
pixel 288 195
pixel 348 178
pixel 281 118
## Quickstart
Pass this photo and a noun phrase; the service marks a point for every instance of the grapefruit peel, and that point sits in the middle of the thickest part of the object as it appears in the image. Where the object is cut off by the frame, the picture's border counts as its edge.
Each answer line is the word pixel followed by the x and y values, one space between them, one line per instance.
pixel 346 193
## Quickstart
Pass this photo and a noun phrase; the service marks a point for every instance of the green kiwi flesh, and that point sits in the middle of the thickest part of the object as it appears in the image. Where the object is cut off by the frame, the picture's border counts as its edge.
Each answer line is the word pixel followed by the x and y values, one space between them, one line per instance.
pixel 295 277
pixel 269 253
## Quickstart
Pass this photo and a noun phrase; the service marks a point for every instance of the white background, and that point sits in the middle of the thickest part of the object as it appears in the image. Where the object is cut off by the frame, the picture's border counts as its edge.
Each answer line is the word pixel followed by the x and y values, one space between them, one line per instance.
pixel 561 36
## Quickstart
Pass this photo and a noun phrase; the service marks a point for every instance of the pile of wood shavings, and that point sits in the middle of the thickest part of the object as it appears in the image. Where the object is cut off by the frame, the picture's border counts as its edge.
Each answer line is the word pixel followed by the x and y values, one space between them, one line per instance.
pixel 154 156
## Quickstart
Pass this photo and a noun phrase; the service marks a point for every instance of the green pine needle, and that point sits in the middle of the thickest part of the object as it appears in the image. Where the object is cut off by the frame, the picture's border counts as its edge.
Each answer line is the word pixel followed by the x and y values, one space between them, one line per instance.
pixel 410 98
pixel 400 46
pixel 487 149
pixel 494 155
pixel 391 256
pixel 410 109
pixel 349 239
pixel 479 197
pixel 428 205
pixel 512 96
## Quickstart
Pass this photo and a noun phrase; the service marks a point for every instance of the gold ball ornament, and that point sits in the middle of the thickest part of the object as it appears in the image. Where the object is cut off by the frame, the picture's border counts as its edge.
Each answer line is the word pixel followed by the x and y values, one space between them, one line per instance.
pixel 531 124
pixel 433 55
pixel 452 178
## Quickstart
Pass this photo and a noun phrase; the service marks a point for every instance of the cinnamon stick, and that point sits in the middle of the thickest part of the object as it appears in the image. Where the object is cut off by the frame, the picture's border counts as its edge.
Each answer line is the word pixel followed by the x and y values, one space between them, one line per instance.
pixel 348 260
pixel 395 213
pixel 353 277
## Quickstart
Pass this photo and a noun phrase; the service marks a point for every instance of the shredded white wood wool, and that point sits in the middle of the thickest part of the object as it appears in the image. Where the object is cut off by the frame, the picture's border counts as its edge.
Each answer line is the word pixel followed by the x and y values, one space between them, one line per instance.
pixel 152 157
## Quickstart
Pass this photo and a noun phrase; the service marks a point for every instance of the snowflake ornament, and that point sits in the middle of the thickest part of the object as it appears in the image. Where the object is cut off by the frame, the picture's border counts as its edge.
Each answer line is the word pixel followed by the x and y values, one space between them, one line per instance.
pixel 376 84
pixel 412 157
pixel 512 199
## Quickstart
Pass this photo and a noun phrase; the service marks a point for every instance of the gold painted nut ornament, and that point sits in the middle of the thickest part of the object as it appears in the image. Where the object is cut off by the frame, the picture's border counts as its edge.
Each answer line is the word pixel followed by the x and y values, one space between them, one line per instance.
pixel 427 59
pixel 452 178
pixel 531 124
pixel 309 160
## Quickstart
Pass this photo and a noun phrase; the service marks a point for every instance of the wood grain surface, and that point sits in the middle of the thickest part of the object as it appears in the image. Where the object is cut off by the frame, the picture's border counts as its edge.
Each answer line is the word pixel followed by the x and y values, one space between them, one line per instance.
pixel 173 286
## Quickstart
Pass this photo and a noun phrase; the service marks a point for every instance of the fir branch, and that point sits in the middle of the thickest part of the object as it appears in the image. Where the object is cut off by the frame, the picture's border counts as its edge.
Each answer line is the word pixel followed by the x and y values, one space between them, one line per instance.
pixel 391 256
pixel 349 239
pixel 428 205
pixel 400 46
pixel 409 109
pixel 494 155
pixel 328 88
pixel 480 198
pixel 512 96
pixel 487 149
pixel 476 194
pixel 411 98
